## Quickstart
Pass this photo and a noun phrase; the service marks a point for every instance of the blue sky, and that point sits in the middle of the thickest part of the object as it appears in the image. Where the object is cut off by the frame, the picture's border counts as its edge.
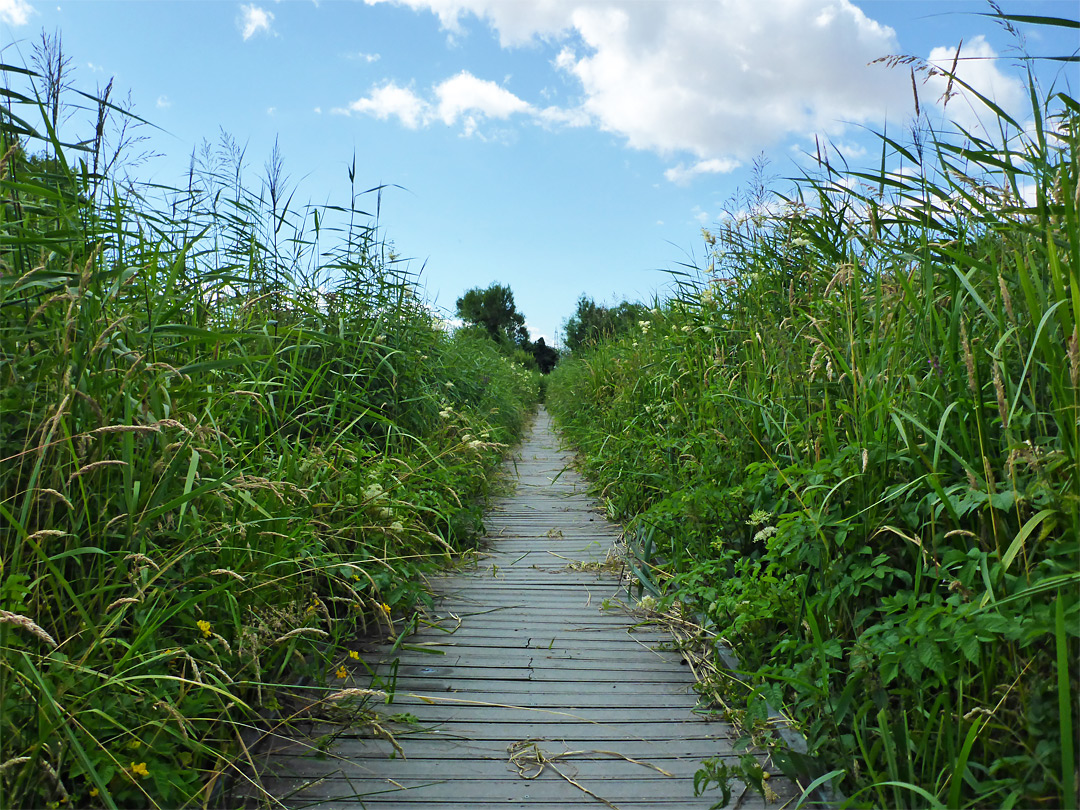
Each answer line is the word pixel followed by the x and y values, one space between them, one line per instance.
pixel 558 146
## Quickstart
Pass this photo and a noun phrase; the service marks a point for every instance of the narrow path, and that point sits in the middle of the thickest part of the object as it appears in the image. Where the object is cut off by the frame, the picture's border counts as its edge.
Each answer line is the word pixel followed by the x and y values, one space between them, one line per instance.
pixel 526 692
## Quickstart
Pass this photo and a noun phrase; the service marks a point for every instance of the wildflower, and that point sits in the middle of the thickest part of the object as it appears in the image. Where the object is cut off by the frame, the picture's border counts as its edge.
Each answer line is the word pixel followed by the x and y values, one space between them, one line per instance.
pixel 139 769
pixel 764 534
pixel 380 338
pixel 94 792
pixel 644 325
pixel 354 655
pixel 800 241
pixel 342 673
pixel 757 517
pixel 385 608
pixel 372 492
pixel 687 328
pixel 204 626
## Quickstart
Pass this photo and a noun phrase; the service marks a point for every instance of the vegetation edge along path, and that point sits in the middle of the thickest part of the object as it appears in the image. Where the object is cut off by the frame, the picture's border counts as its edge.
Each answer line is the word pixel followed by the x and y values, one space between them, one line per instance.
pixel 523 687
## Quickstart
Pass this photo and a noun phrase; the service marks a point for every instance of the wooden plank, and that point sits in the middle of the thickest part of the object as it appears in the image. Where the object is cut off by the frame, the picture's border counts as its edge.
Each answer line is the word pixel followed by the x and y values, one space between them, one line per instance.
pixel 602 735
pixel 426 747
pixel 571 689
pixel 440 791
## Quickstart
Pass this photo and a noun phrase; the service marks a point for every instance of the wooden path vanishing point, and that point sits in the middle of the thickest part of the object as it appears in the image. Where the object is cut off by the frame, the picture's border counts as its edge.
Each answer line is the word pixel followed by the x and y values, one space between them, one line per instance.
pixel 541 698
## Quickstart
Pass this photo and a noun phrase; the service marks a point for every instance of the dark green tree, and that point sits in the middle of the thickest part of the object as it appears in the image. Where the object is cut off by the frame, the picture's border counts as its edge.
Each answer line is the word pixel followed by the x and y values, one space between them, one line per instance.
pixel 494 310
pixel 546 357
pixel 592 322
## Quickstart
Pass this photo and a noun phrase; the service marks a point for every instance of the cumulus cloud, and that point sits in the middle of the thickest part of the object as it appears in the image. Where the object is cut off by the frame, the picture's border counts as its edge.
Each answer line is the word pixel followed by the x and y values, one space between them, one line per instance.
pixel 462 98
pixel 466 94
pixel 392 100
pixel 15 12
pixel 718 79
pixel 254 20
pixel 683 174
pixel 976 67
pixel 726 79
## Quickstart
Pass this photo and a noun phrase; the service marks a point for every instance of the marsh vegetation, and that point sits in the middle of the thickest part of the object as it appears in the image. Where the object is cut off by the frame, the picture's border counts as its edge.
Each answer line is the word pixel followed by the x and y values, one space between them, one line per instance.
pixel 848 447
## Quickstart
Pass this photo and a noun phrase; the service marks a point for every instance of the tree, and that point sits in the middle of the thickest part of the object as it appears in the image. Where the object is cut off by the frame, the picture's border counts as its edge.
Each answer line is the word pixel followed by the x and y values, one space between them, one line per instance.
pixel 592 323
pixel 494 310
pixel 546 357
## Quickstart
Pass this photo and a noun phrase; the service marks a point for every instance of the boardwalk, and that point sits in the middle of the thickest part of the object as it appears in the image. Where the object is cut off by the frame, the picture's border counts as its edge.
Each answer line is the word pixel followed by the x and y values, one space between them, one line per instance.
pixel 526 691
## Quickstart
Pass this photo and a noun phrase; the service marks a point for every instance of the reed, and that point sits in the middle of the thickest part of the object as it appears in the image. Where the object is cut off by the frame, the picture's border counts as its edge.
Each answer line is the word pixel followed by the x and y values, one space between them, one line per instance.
pixel 231 438
pixel 850 443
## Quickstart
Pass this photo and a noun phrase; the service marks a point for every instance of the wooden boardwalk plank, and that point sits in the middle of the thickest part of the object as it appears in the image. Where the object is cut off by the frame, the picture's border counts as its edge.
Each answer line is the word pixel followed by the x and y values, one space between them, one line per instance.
pixel 528 645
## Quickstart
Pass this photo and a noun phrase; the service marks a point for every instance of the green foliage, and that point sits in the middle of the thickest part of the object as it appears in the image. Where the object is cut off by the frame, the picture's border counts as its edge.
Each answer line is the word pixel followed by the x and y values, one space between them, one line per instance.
pixel 592 323
pixel 494 310
pixel 231 439
pixel 853 448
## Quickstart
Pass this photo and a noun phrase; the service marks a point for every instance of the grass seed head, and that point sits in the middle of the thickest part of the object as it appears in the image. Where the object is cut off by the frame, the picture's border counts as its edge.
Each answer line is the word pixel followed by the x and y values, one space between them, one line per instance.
pixel 28 624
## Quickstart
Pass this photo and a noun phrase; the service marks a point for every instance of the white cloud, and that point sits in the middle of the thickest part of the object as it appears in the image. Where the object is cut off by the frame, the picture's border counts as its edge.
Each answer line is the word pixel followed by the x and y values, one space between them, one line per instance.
pixel 254 20
pixel 462 98
pixel 360 56
pixel 466 94
pixel 683 174
pixel 718 80
pixel 15 12
pixel 392 100
pixel 977 67
pixel 163 102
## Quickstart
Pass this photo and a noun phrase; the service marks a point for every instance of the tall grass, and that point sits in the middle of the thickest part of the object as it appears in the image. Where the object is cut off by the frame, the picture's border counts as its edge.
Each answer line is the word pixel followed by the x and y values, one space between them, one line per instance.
pixel 231 438
pixel 852 447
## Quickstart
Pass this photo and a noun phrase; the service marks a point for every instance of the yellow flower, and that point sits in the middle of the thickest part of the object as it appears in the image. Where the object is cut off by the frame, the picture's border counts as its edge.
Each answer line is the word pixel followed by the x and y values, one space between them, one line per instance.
pixel 94 792
pixel 342 673
pixel 386 608
pixel 204 625
pixel 139 769
pixel 354 655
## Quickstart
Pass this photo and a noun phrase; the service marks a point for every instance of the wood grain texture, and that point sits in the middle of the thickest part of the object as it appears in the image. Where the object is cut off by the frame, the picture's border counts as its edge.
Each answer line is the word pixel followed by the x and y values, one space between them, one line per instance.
pixel 531 666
